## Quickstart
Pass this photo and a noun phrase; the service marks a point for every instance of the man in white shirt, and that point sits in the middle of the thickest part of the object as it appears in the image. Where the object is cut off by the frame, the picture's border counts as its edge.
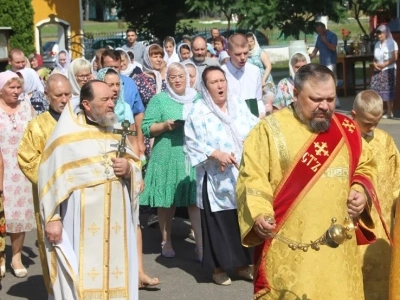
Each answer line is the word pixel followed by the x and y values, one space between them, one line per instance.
pixel 244 79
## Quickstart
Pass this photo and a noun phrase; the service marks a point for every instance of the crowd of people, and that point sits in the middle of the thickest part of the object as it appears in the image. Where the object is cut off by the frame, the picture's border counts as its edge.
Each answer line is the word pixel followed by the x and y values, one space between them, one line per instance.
pixel 202 126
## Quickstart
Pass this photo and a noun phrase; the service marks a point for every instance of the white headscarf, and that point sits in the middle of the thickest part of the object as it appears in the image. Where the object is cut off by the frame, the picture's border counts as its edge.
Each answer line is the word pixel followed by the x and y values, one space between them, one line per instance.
pixel 94 72
pixel 386 30
pixel 190 93
pixel 307 58
pixel 222 56
pixel 135 63
pixel 148 67
pixel 227 118
pixel 129 69
pixel 32 81
pixel 174 56
pixel 179 51
pixel 60 68
pixel 196 85
pixel 76 89
pixel 256 48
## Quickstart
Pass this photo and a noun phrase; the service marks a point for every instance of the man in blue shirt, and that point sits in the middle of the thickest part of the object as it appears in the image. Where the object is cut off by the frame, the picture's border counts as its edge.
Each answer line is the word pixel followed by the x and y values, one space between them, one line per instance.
pixel 326 45
pixel 112 59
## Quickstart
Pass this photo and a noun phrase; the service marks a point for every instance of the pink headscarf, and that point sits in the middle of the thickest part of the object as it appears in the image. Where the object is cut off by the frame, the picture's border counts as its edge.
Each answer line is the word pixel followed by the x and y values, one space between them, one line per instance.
pixel 6 76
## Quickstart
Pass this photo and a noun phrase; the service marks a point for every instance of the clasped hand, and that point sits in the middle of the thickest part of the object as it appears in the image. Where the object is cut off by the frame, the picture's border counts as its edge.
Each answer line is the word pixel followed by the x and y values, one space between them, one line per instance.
pixel 121 166
pixel 53 231
pixel 355 203
pixel 224 159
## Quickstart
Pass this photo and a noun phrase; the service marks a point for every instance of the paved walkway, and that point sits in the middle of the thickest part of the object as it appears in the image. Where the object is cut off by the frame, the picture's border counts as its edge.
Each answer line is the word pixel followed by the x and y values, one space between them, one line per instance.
pixel 182 277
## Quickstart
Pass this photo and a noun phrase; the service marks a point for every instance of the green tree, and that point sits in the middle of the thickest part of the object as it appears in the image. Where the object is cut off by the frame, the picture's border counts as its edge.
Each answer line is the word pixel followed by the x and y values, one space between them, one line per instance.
pixel 227 7
pixel 19 16
pixel 153 16
pixel 360 8
pixel 292 17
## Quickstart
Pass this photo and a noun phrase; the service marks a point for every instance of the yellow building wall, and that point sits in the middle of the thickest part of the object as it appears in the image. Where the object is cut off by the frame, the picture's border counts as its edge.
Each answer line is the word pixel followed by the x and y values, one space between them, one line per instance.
pixel 64 10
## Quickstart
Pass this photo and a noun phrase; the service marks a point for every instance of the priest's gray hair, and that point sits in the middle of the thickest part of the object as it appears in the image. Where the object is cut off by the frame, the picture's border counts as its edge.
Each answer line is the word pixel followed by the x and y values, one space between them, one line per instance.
pixel 87 92
pixel 312 72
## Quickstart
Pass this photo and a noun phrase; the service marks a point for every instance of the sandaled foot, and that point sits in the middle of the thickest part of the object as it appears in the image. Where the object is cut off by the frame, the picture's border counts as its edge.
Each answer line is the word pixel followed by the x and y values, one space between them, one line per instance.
pixel 246 273
pixel 222 279
pixel 145 281
pixel 20 272
pixel 167 250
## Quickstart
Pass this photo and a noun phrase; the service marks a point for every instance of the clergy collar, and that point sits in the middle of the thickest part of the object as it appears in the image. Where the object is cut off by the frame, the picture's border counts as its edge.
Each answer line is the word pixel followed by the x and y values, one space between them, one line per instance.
pixel 54 114
pixel 90 121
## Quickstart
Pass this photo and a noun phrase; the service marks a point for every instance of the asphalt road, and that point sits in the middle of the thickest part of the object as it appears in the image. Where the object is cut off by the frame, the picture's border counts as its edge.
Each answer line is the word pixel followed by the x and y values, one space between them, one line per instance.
pixel 182 277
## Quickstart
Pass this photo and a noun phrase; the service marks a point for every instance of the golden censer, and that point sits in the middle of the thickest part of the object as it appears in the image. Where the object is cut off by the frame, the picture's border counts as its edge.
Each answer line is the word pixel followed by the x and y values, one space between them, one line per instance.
pixel 336 235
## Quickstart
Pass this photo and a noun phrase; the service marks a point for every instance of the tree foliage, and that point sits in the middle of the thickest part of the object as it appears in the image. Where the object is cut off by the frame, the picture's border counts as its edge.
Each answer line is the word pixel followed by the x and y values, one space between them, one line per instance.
pixel 370 7
pixel 152 16
pixel 19 16
pixel 227 7
pixel 290 16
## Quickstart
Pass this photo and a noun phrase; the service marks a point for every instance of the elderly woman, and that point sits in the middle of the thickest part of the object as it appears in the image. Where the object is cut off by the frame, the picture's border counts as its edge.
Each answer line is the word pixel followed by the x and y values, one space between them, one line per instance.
pixel 79 72
pixel 260 59
pixel 33 90
pixel 170 180
pixel 383 80
pixel 18 204
pixel 284 91
pixel 63 61
pixel 127 68
pixel 215 130
pixel 2 224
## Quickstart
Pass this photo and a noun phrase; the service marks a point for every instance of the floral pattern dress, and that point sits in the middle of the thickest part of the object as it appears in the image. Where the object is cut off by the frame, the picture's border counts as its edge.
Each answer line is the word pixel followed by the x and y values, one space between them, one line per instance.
pixel 18 201
pixel 284 93
pixel 256 60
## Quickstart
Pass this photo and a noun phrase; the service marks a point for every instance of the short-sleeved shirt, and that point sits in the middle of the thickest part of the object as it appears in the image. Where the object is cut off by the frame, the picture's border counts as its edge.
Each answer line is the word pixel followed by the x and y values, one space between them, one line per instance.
pixel 384 52
pixel 138 50
pixel 327 56
pixel 132 96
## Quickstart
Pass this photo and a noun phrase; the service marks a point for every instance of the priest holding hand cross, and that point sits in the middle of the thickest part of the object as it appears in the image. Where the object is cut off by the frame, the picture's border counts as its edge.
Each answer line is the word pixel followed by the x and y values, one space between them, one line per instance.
pixel 89 211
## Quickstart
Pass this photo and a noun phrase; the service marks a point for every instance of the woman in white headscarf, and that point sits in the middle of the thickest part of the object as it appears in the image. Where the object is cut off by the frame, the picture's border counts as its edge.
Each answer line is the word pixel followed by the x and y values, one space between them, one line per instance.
pixel 127 68
pixel 170 55
pixel 260 59
pixel 33 90
pixel 79 72
pixel 214 133
pixel 284 89
pixel 63 61
pixel 184 52
pixel 170 180
pixel 193 74
pixel 383 80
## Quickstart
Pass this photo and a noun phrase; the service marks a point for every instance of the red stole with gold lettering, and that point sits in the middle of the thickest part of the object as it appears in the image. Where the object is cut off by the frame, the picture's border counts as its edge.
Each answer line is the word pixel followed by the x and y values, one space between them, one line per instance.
pixel 310 163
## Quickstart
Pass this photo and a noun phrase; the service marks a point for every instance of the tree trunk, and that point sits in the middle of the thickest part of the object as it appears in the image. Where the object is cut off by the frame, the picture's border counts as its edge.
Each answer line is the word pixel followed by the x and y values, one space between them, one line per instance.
pixel 99 12
pixel 87 10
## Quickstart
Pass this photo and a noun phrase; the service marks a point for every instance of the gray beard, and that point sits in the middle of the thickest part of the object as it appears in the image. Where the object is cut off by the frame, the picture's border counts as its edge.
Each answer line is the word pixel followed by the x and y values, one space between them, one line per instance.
pixel 314 125
pixel 104 121
pixel 197 60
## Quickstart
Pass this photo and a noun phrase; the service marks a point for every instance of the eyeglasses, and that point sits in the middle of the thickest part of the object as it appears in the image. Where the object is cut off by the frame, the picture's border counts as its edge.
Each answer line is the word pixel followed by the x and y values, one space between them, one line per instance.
pixel 175 77
pixel 83 77
pixel 14 122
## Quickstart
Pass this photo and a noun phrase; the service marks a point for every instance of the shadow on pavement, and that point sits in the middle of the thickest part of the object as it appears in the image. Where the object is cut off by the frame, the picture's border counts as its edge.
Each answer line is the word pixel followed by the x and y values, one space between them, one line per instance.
pixel 31 289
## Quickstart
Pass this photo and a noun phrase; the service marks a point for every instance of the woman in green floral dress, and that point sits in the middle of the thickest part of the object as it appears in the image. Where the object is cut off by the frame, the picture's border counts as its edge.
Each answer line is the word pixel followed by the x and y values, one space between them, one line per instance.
pixel 170 180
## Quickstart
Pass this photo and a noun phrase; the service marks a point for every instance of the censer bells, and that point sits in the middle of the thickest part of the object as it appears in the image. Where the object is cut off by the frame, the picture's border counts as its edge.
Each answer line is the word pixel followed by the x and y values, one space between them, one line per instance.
pixel 336 235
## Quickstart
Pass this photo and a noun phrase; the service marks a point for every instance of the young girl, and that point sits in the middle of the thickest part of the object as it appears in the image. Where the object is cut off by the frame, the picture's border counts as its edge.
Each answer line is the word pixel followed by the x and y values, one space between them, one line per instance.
pixel 170 51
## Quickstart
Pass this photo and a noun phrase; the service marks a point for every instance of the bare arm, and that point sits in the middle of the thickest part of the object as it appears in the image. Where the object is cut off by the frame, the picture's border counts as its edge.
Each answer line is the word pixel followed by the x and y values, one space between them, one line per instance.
pixel 133 140
pixel 140 137
pixel 267 66
pixel 390 61
pixel 314 53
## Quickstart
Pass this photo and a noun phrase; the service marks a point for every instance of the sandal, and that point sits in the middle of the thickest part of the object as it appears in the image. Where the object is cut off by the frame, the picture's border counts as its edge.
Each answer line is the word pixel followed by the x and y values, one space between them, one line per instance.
pixel 146 281
pixel 222 279
pixel 168 253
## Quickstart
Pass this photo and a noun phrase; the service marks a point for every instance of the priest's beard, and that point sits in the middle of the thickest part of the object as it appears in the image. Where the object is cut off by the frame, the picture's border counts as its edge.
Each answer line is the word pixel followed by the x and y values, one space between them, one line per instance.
pixel 106 120
pixel 313 124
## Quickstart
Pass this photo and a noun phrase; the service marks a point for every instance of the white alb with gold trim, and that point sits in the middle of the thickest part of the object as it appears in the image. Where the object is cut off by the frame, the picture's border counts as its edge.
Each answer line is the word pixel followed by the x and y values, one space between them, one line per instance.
pixel 97 258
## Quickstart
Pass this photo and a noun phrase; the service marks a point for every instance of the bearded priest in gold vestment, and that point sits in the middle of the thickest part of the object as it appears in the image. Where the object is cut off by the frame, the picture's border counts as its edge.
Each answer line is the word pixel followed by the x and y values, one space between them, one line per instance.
pixel 58 93
pixel 367 112
pixel 301 167
pixel 88 192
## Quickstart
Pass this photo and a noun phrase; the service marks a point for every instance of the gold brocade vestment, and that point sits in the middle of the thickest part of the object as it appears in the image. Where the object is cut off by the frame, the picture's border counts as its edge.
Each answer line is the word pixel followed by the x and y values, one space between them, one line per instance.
pixel 328 274
pixel 376 257
pixel 31 147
